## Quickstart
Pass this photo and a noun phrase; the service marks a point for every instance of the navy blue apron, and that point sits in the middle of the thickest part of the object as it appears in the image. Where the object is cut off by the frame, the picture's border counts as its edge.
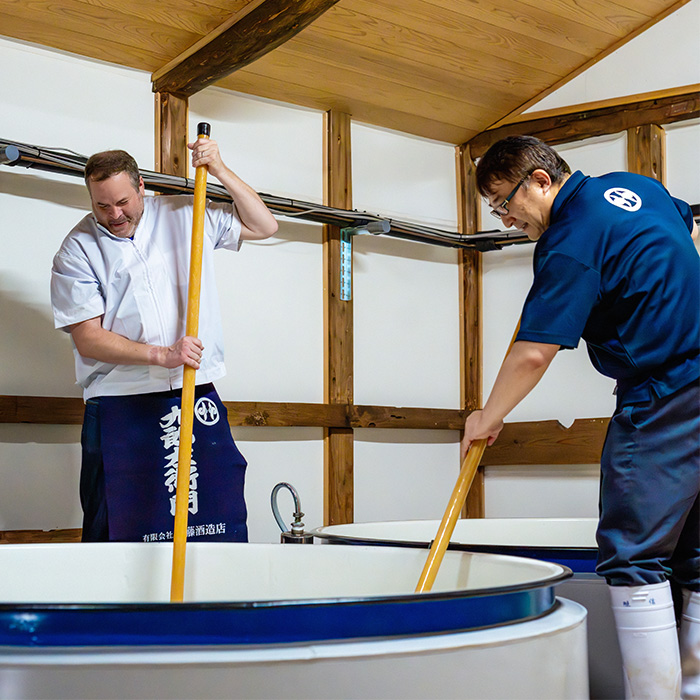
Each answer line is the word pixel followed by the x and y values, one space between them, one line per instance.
pixel 140 438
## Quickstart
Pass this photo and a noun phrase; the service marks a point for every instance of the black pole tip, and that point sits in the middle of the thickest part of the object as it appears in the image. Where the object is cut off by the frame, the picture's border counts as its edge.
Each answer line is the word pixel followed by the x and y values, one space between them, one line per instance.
pixel 203 129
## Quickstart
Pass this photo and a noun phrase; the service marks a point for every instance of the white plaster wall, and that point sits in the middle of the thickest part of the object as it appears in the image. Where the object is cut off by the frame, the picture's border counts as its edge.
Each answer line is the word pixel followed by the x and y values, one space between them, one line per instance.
pixel 291 455
pixel 665 56
pixel 58 100
pixel 38 209
pixel 551 491
pixel 271 291
pixel 404 474
pixel 275 148
pixel 406 335
pixel 682 153
pixel 402 176
pixel 406 319
pixel 406 294
pixel 39 475
pixel 406 324
pixel 39 465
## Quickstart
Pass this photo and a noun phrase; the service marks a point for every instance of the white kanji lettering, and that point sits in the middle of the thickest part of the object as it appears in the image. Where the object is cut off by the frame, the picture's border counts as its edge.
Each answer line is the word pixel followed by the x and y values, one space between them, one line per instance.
pixel 169 419
pixel 194 502
pixel 170 437
pixel 170 423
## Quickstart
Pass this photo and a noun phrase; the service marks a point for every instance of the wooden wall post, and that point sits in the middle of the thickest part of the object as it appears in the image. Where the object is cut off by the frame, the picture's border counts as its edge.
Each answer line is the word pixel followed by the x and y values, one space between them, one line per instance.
pixel 646 151
pixel 470 327
pixel 171 134
pixel 338 325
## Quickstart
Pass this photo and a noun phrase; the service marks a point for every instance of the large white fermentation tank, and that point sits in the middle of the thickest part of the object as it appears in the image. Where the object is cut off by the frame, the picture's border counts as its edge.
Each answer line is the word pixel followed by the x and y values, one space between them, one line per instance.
pixel 272 621
pixel 567 541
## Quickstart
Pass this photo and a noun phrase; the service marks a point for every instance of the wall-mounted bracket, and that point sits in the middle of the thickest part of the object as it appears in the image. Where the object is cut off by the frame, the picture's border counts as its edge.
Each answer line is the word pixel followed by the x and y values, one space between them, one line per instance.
pixel 346 234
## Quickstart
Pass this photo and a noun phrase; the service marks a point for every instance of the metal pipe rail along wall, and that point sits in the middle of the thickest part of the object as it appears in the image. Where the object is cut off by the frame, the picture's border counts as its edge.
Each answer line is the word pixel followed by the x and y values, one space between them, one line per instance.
pixel 65 162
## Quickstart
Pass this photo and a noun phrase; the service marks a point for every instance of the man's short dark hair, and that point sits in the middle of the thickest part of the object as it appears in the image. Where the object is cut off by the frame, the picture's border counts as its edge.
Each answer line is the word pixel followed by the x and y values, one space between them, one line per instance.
pixel 515 157
pixel 105 164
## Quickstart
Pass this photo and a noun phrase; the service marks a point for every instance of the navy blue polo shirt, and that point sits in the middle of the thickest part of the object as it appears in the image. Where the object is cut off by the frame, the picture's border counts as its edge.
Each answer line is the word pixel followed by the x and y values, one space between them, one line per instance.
pixel 618 268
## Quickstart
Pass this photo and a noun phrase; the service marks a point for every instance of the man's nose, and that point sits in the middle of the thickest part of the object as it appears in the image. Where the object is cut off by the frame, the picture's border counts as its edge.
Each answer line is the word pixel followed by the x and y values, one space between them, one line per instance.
pixel 115 213
pixel 508 220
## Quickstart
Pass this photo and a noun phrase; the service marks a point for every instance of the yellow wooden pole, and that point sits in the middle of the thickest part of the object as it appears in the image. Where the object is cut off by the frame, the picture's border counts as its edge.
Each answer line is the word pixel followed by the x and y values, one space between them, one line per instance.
pixel 449 520
pixel 182 494
pixel 454 508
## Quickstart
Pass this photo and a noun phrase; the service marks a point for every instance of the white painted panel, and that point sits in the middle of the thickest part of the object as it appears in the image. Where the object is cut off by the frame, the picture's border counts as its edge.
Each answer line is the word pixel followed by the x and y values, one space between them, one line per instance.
pixel 682 153
pixel 40 208
pixel 404 474
pixel 39 468
pixel 271 295
pixel 54 99
pixel 274 333
pixel 662 57
pixel 275 148
pixel 406 316
pixel 562 491
pixel 37 213
pixel 271 292
pixel 403 177
pixel 292 455
pixel 596 156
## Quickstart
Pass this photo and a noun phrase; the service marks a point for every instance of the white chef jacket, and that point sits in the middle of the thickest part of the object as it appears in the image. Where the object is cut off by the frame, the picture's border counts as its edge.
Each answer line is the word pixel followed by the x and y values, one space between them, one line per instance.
pixel 139 287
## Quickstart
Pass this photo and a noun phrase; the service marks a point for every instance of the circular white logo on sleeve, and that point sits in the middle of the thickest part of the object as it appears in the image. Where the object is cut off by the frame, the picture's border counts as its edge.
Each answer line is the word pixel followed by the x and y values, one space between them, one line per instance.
pixel 623 198
pixel 206 411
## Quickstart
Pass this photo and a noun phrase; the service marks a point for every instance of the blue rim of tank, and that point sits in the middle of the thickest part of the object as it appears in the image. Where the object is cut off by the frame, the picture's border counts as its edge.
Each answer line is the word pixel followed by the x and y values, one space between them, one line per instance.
pixel 273 622
pixel 581 560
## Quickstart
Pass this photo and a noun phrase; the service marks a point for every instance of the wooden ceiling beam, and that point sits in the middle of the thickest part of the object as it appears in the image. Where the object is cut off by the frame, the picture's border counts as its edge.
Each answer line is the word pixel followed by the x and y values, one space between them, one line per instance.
pixel 258 28
pixel 580 123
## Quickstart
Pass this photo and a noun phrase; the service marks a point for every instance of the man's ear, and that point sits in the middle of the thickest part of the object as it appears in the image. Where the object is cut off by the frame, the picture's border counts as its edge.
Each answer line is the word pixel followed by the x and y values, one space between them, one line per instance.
pixel 541 178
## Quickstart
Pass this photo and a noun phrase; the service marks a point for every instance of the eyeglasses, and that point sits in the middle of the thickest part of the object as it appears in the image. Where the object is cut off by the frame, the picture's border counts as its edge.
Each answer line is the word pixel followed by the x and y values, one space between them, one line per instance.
pixel 502 209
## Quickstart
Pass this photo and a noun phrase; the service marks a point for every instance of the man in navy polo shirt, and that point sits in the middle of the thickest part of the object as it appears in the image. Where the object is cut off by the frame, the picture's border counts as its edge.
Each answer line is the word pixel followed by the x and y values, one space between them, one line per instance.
pixel 615 264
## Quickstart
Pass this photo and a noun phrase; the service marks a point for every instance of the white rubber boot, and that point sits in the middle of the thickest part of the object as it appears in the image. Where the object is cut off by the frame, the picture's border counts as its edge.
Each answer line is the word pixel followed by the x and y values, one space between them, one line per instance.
pixel 690 646
pixel 646 628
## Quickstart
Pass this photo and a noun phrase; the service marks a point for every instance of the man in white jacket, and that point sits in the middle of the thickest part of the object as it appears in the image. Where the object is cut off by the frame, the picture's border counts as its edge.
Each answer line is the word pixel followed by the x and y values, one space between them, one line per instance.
pixel 119 287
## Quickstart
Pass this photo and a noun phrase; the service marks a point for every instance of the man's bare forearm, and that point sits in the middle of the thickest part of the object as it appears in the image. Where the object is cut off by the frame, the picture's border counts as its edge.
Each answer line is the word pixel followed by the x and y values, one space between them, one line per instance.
pixel 98 343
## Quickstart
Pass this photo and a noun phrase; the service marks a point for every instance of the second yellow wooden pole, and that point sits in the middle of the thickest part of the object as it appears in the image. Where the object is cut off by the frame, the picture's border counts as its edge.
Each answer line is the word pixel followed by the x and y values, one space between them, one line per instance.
pixel 182 494
pixel 454 507
pixel 449 520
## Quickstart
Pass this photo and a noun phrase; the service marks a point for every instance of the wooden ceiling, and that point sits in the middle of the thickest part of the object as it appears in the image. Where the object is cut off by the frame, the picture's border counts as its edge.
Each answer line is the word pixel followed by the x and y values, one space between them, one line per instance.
pixel 442 69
